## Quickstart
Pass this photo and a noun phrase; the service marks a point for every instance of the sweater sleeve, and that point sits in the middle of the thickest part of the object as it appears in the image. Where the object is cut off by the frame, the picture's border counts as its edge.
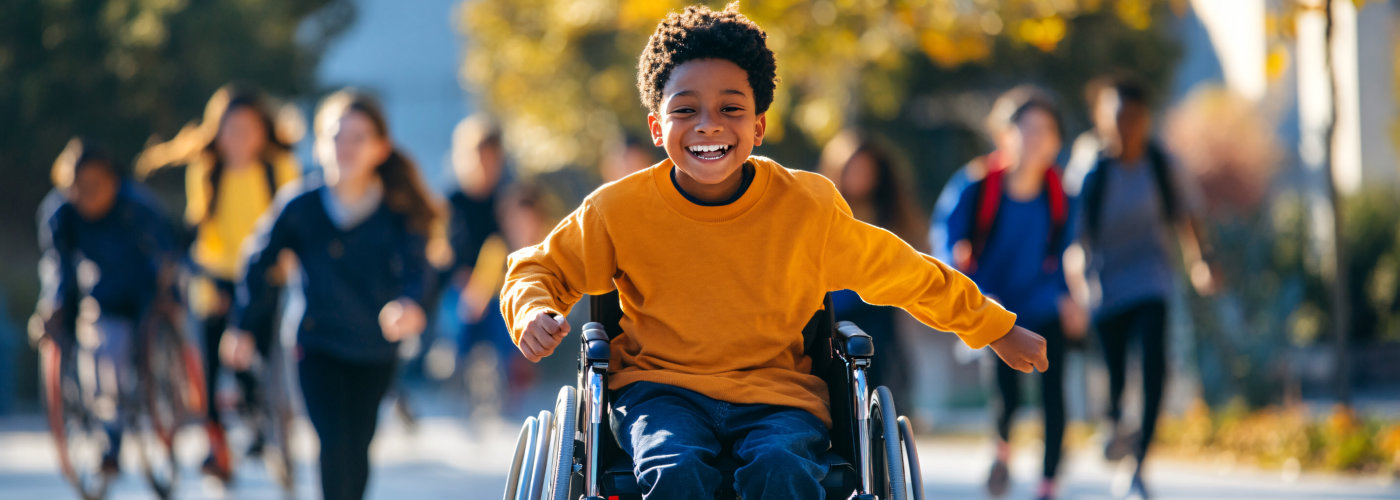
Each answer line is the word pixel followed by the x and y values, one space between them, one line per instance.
pixel 413 248
pixel 885 270
pixel 256 297
pixel 576 258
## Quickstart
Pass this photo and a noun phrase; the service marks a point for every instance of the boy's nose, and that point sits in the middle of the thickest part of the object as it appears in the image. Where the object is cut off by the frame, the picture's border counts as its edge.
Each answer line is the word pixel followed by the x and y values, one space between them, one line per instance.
pixel 708 124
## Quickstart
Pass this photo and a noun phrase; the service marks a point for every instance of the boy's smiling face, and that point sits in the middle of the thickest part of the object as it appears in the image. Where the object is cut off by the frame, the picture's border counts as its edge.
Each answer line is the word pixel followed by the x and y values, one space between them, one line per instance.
pixel 708 125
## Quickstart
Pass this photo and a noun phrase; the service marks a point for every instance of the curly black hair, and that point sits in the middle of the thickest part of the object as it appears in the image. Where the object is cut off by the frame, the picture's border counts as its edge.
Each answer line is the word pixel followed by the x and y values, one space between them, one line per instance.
pixel 701 33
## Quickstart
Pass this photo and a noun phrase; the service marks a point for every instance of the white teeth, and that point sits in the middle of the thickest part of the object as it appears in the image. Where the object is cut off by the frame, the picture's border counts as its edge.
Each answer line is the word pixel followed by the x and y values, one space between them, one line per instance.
pixel 708 148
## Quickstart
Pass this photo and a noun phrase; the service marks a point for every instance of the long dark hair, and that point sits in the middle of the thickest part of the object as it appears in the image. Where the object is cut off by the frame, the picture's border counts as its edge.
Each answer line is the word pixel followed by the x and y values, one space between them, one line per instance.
pixel 199 141
pixel 405 193
pixel 895 209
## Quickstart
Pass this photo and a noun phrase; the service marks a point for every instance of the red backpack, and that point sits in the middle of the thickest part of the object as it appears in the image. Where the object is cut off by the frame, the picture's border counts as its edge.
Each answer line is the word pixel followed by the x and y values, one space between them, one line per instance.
pixel 987 199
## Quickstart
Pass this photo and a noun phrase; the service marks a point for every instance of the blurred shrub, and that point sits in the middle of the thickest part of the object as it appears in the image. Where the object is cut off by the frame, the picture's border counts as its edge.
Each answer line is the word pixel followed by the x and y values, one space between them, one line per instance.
pixel 1275 436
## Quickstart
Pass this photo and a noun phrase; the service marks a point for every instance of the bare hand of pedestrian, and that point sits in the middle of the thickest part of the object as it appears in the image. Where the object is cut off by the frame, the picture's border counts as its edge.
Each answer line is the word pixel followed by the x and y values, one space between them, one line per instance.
pixel 1022 350
pixel 236 349
pixel 544 333
pixel 401 319
pixel 1203 278
pixel 1074 319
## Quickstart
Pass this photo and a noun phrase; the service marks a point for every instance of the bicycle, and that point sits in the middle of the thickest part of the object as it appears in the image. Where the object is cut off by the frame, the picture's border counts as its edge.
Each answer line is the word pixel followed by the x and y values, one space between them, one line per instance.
pixel 170 382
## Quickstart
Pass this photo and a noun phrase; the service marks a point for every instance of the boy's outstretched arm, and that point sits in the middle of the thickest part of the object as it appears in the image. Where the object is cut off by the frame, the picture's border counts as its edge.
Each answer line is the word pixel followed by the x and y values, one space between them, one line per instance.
pixel 546 280
pixel 885 270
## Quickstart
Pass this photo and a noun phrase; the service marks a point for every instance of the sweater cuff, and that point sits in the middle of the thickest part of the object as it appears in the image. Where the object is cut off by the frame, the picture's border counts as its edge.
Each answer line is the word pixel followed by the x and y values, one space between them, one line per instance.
pixel 997 324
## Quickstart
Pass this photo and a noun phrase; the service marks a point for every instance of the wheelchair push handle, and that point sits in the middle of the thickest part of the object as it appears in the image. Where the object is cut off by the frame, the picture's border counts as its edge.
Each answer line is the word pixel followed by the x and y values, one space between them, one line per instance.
pixel 854 342
pixel 596 344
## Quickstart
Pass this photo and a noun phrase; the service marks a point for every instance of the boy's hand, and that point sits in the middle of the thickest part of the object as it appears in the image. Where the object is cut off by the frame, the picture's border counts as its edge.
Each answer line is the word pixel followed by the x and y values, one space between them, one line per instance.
pixel 1022 350
pixel 542 335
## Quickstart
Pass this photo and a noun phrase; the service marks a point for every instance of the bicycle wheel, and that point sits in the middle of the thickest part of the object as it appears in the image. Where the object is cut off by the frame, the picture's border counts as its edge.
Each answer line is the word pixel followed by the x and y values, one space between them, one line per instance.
pixel 173 389
pixel 276 420
pixel 77 432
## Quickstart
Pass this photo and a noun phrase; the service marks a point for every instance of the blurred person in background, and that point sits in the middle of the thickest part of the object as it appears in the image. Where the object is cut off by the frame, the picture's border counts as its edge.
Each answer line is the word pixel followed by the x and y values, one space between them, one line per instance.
pixel 235 161
pixel 474 231
pixel 107 250
pixel 524 216
pixel 1134 201
pixel 874 181
pixel 633 154
pixel 360 238
pixel 1009 231
pixel 998 128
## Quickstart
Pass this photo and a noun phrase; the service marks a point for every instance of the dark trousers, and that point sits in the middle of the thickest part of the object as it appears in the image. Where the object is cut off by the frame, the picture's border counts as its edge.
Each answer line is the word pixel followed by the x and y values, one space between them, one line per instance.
pixel 214 326
pixel 342 402
pixel 1052 396
pixel 1146 324
pixel 675 436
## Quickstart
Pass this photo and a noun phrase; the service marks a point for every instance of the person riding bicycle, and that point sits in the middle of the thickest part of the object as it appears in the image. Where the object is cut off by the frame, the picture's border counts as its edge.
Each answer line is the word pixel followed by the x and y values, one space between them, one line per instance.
pixel 105 244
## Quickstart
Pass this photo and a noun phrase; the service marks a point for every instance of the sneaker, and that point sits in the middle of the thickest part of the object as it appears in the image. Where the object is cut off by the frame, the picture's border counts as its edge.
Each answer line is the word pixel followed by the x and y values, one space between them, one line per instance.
pixel 218 464
pixel 1047 490
pixel 111 467
pixel 999 479
pixel 1120 445
pixel 1137 491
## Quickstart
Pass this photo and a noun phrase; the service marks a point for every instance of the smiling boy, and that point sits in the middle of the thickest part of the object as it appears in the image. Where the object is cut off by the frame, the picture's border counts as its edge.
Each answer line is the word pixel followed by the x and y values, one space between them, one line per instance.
pixel 720 258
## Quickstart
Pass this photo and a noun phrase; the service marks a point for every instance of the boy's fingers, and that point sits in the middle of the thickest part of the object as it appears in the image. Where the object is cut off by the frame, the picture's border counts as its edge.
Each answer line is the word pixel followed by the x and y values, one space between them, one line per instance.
pixel 530 346
pixel 1041 363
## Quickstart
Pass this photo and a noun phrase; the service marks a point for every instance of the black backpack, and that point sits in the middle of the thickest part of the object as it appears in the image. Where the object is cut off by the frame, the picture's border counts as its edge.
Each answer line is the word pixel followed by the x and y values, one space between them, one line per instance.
pixel 1093 192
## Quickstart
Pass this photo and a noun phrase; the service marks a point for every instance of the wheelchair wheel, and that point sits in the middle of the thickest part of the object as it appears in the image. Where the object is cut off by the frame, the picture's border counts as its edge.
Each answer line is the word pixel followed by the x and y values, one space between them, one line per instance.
pixel 534 485
pixel 559 478
pixel 886 450
pixel 914 474
pixel 519 468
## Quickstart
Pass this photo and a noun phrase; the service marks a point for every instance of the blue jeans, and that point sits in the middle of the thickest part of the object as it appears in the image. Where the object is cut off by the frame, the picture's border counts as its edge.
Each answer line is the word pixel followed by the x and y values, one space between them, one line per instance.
pixel 675 435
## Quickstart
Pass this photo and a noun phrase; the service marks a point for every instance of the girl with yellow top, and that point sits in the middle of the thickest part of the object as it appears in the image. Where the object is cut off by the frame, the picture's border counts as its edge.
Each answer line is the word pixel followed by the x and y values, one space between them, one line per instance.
pixel 235 162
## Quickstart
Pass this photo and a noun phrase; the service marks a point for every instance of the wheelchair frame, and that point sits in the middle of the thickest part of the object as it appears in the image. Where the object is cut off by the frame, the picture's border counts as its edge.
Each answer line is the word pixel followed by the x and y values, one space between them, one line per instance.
pixel 839 351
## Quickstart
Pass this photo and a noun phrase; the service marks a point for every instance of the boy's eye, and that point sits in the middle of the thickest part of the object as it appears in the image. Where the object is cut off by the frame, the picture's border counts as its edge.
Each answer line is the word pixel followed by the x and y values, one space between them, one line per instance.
pixel 732 109
pixel 682 110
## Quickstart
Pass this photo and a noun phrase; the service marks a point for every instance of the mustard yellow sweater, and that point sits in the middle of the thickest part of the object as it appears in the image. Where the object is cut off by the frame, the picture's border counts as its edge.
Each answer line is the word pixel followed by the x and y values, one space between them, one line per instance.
pixel 714 298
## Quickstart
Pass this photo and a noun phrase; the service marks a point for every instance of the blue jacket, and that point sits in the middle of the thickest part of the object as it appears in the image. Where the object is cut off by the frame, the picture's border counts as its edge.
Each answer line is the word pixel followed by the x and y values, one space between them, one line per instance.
pixel 1012 267
pixel 127 247
pixel 347 275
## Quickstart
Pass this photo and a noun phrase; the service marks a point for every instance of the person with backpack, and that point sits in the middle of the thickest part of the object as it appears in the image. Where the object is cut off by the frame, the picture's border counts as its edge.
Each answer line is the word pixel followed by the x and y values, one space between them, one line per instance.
pixel 1008 232
pixel 1133 200
pixel 234 164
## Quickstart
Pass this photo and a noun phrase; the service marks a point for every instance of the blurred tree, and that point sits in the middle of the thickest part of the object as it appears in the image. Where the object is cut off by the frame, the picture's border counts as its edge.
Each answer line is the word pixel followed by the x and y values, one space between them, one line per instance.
pixel 563 81
pixel 123 70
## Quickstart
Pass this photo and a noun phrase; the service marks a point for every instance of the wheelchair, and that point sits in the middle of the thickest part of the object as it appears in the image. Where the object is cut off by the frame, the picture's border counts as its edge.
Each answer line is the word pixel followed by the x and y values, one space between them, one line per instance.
pixel 570 453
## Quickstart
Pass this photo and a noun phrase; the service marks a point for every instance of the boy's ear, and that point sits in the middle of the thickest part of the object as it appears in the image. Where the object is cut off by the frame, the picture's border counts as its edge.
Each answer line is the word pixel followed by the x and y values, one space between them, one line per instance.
pixel 760 126
pixel 654 125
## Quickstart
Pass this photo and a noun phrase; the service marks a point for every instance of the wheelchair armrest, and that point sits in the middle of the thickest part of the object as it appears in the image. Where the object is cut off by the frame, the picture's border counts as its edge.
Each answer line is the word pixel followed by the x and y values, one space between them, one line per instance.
pixel 852 342
pixel 596 344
